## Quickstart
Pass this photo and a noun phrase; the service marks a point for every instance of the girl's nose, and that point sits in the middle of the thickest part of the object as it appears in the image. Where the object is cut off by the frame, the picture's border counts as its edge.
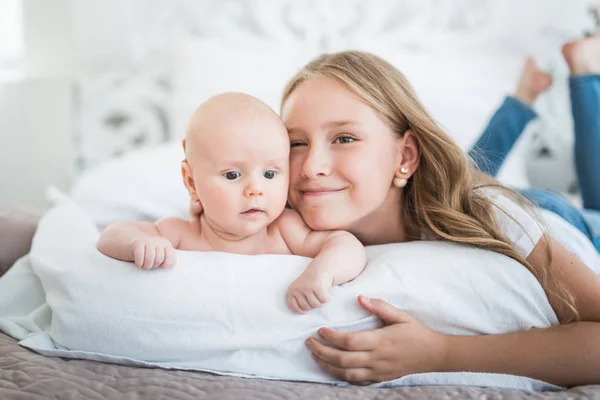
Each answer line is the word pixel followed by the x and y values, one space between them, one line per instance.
pixel 317 162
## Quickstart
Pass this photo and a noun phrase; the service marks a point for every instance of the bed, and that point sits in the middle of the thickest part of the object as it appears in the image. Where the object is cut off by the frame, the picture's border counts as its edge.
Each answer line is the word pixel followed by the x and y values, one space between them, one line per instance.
pixel 25 374
pixel 175 88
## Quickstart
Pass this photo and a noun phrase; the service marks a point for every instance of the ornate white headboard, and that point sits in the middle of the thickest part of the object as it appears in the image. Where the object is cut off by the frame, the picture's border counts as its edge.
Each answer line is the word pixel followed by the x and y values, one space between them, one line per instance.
pixel 141 75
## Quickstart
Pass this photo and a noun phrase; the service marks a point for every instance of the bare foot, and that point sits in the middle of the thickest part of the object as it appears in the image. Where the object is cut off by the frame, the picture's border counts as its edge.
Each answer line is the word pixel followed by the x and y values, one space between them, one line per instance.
pixel 533 81
pixel 583 56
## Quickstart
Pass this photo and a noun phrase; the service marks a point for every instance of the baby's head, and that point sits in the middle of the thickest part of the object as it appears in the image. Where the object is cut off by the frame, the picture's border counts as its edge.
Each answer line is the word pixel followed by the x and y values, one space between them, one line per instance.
pixel 237 159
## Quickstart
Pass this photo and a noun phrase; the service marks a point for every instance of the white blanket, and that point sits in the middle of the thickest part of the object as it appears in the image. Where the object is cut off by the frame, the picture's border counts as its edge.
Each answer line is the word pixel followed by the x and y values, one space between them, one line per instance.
pixel 226 313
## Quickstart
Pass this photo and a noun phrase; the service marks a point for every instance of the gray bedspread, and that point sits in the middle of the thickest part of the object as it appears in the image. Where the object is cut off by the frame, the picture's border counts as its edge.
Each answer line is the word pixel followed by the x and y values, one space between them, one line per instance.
pixel 27 375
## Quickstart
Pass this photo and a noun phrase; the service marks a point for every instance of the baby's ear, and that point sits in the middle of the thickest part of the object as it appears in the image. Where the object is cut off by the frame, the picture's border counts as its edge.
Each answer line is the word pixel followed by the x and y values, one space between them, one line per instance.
pixel 196 208
pixel 188 179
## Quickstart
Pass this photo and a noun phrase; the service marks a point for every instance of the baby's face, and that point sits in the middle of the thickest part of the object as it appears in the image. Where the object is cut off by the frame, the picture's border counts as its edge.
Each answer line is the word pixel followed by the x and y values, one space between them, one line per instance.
pixel 241 173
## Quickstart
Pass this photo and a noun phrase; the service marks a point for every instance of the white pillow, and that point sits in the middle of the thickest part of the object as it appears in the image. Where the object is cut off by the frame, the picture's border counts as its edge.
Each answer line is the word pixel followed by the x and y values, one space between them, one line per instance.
pixel 143 184
pixel 225 312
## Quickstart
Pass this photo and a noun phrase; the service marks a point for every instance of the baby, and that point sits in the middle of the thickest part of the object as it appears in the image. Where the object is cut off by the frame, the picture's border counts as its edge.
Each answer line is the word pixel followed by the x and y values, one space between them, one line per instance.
pixel 236 166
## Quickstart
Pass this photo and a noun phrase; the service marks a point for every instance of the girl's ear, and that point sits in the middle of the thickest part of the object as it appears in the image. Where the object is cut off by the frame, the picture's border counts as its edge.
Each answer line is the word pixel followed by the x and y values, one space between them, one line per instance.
pixel 409 155
pixel 188 180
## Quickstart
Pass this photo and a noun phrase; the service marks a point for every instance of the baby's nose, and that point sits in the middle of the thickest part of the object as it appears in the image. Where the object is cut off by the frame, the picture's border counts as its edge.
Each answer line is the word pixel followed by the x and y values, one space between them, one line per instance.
pixel 253 190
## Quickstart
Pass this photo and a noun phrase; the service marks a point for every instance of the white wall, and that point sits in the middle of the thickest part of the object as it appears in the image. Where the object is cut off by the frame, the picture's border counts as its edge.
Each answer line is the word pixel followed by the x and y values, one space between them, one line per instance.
pixel 48 38
pixel 36 109
pixel 35 140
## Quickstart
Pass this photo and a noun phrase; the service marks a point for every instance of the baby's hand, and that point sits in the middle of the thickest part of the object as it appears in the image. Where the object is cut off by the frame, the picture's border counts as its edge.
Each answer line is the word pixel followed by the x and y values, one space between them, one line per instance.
pixel 152 252
pixel 310 290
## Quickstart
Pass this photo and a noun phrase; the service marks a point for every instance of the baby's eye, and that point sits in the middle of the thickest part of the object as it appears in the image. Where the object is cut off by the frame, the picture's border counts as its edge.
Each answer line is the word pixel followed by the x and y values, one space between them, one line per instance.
pixel 344 139
pixel 270 174
pixel 232 175
pixel 297 144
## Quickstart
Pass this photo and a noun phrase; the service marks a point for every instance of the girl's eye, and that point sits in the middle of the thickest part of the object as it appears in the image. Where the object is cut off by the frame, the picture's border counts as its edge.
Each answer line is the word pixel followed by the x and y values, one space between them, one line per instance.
pixel 297 144
pixel 233 175
pixel 344 139
pixel 270 174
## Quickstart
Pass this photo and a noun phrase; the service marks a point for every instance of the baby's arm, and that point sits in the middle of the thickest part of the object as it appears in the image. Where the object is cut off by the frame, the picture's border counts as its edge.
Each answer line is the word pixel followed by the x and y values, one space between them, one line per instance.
pixel 338 258
pixel 149 245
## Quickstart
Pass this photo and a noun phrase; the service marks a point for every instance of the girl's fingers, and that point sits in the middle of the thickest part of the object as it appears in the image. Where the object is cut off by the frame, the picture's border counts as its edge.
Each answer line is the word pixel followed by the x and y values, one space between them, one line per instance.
pixel 355 341
pixel 352 375
pixel 339 358
pixel 384 310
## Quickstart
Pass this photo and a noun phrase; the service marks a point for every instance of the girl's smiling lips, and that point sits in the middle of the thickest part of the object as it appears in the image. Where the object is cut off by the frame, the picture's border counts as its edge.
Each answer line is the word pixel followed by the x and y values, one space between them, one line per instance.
pixel 320 191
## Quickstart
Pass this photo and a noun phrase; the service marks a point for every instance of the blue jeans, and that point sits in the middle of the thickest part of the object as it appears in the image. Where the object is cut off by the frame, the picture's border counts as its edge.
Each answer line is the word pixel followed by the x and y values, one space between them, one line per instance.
pixel 509 122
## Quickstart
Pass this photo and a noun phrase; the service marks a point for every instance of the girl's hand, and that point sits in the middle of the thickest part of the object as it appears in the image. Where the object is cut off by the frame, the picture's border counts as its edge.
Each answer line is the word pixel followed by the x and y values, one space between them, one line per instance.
pixel 405 346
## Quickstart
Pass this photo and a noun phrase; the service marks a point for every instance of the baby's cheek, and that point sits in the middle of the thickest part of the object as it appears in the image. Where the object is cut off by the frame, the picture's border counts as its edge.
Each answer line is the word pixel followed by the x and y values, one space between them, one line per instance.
pixel 280 197
pixel 218 201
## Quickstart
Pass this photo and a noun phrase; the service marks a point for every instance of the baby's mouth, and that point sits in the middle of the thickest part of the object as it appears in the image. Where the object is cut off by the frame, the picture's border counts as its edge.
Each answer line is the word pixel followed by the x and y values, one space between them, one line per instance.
pixel 253 211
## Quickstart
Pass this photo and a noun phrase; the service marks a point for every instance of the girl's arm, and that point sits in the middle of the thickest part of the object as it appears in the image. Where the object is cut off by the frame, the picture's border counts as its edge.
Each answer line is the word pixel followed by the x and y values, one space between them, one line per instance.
pixel 567 355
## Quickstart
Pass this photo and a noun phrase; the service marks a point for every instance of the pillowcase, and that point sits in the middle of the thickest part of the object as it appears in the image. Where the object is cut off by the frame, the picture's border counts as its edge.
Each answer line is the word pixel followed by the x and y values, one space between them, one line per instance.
pixel 144 184
pixel 226 312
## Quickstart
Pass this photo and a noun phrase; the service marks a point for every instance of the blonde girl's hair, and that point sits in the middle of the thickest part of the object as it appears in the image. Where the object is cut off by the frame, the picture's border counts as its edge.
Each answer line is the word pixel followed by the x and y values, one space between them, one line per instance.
pixel 440 199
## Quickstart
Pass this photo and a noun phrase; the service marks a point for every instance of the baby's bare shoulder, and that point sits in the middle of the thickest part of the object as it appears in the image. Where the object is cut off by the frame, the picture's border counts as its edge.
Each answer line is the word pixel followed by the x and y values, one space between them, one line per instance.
pixel 169 223
pixel 178 230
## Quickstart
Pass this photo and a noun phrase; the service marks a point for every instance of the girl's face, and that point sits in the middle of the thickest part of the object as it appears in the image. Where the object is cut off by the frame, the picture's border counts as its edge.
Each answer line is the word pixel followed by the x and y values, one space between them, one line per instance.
pixel 343 160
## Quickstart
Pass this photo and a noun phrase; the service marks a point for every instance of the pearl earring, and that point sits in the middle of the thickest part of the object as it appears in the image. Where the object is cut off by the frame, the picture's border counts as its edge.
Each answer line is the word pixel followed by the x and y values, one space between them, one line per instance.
pixel 400 182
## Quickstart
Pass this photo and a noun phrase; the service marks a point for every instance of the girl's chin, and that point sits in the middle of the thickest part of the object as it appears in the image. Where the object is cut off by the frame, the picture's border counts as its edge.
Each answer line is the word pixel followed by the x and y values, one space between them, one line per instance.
pixel 323 223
